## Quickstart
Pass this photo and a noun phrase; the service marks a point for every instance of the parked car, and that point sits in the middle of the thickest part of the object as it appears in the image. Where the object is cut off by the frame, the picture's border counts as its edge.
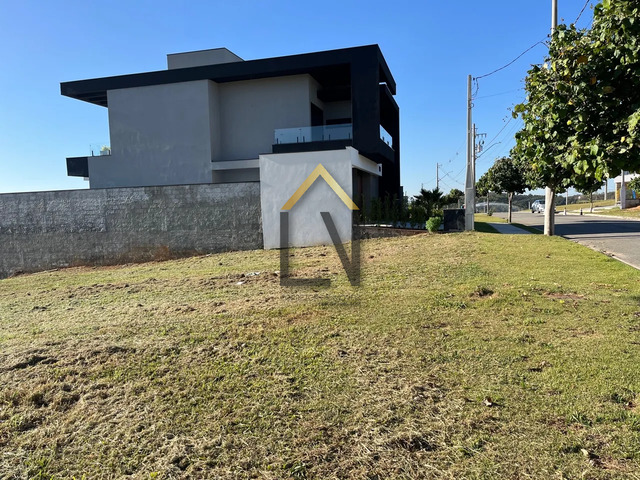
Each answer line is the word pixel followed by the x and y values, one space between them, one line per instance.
pixel 537 206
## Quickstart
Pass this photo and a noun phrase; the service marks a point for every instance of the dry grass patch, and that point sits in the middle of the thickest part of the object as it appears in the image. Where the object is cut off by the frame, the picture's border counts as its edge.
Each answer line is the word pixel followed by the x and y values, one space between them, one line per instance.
pixel 460 356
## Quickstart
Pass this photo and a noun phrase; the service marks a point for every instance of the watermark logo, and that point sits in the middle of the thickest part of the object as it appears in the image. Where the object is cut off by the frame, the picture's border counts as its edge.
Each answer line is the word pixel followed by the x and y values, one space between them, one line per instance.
pixel 351 267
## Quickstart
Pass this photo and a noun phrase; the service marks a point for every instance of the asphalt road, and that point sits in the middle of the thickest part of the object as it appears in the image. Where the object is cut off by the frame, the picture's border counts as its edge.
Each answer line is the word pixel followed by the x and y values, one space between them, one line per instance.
pixel 616 237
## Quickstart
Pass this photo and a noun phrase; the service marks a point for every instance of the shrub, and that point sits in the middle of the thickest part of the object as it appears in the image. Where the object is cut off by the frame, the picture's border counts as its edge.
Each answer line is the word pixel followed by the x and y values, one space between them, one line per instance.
pixel 417 215
pixel 433 224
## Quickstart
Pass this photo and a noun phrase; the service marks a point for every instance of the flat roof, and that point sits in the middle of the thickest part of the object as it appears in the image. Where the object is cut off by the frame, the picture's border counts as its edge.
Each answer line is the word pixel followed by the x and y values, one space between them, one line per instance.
pixel 331 67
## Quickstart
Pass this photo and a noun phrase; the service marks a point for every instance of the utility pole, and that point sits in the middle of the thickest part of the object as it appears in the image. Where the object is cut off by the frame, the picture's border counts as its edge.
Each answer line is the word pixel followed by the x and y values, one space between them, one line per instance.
pixel 549 193
pixel 438 176
pixel 479 147
pixel 470 182
pixel 475 153
pixel 606 186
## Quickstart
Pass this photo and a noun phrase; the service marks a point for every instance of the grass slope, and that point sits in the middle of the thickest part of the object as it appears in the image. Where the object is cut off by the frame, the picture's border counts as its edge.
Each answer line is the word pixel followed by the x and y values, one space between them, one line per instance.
pixel 460 356
pixel 617 212
pixel 586 206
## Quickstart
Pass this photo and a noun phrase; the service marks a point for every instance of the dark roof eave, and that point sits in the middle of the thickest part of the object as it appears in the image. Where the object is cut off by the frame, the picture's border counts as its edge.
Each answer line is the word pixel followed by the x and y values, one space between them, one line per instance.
pixel 95 90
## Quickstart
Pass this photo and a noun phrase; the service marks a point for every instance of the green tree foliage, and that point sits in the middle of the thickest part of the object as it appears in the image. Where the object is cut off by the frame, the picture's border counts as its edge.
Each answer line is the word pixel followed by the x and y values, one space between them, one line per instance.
pixel 429 200
pixel 453 197
pixel 582 113
pixel 634 184
pixel 483 187
pixel 506 176
pixel 589 190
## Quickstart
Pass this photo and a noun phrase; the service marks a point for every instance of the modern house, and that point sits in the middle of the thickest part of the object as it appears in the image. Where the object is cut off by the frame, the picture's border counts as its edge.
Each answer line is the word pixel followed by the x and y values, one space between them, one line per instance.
pixel 216 154
pixel 211 117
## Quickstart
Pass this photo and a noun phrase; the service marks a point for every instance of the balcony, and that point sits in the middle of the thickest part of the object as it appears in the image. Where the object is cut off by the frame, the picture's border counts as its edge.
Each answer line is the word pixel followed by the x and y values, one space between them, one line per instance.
pixel 79 166
pixel 322 133
pixel 311 139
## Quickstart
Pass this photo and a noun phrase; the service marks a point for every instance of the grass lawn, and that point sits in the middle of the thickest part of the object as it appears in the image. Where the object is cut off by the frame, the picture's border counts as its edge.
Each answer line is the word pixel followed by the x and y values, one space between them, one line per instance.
pixel 560 206
pixel 484 218
pixel 482 221
pixel 461 356
pixel 616 212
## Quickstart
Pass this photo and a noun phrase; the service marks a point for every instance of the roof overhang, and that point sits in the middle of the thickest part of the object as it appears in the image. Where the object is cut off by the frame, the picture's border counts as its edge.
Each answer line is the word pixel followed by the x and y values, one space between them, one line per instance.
pixel 331 67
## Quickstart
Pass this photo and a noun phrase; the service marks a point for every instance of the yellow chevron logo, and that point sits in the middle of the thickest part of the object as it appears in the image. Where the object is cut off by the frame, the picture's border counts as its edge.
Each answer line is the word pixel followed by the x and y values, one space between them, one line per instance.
pixel 320 171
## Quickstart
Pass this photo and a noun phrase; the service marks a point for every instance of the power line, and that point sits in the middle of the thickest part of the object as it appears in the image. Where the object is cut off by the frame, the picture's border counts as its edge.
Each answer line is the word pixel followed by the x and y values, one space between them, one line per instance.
pixel 541 42
pixel 511 131
pixel 582 11
pixel 498 94
pixel 453 179
pixel 446 185
pixel 504 149
pixel 501 130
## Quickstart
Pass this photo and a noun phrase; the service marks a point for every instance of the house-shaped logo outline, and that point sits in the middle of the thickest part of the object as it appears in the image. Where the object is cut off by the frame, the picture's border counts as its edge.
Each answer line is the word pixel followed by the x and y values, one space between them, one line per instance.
pixel 351 267
pixel 320 171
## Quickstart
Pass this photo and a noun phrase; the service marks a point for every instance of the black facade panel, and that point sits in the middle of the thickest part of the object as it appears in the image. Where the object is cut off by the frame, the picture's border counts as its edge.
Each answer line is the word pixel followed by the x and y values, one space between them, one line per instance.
pixel 311 146
pixel 78 167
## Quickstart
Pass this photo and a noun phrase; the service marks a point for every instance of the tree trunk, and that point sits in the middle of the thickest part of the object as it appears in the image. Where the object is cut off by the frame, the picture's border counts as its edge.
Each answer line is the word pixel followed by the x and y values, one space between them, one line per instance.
pixel 591 202
pixel 510 197
pixel 549 211
pixel 487 203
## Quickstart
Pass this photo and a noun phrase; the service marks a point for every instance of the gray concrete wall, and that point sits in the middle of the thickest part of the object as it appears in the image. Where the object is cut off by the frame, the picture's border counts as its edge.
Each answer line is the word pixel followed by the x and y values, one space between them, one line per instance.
pixel 160 135
pixel 280 177
pixel 44 230
pixel 170 134
pixel 251 110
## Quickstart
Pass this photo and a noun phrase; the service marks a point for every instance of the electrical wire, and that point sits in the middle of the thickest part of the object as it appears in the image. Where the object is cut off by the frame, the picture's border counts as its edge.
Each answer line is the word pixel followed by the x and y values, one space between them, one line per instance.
pixel 501 130
pixel 582 11
pixel 540 42
pixel 498 94
pixel 446 185
pixel 508 134
pixel 453 179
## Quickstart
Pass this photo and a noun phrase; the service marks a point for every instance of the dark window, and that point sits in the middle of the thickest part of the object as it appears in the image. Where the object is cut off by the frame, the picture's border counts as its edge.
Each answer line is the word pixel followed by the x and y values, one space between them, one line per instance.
pixel 338 121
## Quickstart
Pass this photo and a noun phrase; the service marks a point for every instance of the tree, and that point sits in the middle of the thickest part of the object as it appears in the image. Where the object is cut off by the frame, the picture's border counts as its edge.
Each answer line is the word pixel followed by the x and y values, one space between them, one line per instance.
pixel 582 113
pixel 589 190
pixel 452 197
pixel 429 200
pixel 634 185
pixel 483 187
pixel 541 146
pixel 506 176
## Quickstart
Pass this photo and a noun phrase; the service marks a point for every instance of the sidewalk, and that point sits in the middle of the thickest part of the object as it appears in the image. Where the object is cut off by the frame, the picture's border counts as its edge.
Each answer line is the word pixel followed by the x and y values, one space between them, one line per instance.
pixel 509 229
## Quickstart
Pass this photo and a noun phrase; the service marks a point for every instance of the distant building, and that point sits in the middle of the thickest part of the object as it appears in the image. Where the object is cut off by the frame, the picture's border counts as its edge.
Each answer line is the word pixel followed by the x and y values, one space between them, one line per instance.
pixel 632 198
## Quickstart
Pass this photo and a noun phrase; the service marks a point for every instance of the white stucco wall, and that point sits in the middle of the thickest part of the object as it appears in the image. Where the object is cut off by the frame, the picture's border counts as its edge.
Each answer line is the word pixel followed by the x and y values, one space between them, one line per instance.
pixel 251 110
pixel 280 177
pixel 160 135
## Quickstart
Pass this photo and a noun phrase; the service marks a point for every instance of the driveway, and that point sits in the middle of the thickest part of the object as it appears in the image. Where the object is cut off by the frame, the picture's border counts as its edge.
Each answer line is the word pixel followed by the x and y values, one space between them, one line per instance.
pixel 617 237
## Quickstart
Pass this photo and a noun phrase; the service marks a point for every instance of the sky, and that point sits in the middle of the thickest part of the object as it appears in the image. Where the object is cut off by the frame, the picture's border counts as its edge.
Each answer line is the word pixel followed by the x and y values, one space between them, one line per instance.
pixel 431 47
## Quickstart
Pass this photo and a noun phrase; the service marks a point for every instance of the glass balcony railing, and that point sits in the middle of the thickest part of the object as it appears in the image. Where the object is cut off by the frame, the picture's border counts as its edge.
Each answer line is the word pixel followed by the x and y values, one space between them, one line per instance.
pixel 320 133
pixel 99 149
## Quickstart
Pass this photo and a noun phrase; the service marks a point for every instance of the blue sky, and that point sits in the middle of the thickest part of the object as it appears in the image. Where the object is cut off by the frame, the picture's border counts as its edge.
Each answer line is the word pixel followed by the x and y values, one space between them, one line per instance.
pixel 430 47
